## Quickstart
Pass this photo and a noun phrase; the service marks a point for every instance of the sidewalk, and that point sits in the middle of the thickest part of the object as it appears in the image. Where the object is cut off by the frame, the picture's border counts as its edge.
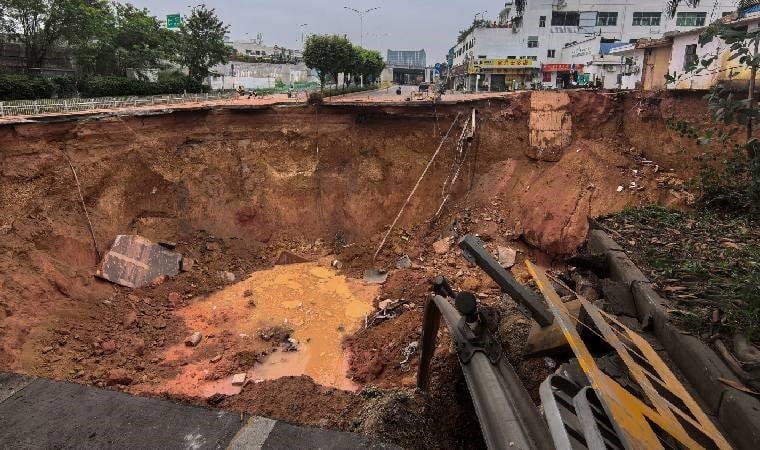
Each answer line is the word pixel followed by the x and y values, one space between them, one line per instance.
pixel 40 413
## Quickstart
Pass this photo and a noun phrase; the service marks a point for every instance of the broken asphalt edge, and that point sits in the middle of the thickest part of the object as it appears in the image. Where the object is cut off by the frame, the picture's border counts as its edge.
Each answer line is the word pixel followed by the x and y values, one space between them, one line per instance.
pixel 737 412
pixel 31 417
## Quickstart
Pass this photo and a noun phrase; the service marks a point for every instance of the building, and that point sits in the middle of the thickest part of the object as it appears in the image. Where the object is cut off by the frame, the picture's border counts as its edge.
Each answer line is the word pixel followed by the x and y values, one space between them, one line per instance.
pixel 256 51
pixel 406 66
pixel 548 32
pixel 645 63
pixel 258 75
pixel 648 62
pixel 407 58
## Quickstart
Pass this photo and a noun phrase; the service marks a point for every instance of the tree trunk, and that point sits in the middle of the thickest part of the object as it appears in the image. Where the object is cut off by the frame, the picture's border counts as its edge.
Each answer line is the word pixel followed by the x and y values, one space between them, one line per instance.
pixel 751 150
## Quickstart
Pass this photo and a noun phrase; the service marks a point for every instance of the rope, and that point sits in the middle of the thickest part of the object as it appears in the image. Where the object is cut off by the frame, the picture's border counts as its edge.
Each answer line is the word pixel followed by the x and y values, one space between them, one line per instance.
pixel 84 207
pixel 417 185
pixel 460 158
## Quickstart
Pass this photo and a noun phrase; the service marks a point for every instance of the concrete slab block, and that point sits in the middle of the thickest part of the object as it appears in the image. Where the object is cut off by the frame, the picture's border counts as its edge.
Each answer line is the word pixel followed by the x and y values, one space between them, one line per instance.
pixel 699 364
pixel 739 415
pixel 622 269
pixel 601 242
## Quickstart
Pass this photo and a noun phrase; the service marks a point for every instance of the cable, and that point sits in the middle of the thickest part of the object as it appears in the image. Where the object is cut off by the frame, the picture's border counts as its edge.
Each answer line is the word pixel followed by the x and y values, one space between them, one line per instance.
pixel 417 185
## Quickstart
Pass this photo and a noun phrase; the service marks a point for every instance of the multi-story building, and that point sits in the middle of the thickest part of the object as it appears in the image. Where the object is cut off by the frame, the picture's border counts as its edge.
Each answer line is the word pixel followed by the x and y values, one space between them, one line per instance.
pixel 406 66
pixel 534 45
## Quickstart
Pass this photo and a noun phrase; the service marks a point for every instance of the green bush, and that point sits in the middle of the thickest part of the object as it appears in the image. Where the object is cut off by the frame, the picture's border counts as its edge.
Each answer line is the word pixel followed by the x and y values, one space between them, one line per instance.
pixel 22 87
pixel 65 87
pixel 732 185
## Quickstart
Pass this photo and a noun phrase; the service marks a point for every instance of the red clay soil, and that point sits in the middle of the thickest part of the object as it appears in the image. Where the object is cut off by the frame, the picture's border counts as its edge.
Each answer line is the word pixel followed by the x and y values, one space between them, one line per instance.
pixel 235 187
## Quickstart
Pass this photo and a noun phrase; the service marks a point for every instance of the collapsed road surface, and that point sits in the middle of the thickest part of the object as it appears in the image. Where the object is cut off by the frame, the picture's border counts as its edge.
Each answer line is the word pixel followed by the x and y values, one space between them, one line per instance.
pixel 241 192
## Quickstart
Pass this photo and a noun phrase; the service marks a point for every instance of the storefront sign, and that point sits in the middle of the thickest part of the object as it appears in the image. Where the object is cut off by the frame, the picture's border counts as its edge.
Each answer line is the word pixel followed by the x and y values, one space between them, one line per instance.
pixel 481 64
pixel 562 67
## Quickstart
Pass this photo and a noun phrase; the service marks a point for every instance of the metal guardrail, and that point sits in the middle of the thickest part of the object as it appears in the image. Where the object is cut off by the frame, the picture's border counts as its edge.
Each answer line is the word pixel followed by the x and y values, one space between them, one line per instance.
pixel 64 105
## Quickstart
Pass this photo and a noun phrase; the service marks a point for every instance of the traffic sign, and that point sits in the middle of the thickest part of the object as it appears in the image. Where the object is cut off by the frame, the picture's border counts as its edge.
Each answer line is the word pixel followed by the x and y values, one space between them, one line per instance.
pixel 173 21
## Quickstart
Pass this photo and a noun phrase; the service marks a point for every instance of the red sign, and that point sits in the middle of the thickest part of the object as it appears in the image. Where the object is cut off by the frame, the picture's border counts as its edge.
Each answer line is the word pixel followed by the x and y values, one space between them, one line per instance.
pixel 562 67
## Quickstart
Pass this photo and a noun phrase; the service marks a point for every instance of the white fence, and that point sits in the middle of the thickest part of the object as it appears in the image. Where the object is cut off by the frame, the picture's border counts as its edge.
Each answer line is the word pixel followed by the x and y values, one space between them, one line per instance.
pixel 64 105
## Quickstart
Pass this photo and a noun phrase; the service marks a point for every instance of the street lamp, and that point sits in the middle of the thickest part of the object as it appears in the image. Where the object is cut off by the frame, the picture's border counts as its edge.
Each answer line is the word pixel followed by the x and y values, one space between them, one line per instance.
pixel 302 26
pixel 361 21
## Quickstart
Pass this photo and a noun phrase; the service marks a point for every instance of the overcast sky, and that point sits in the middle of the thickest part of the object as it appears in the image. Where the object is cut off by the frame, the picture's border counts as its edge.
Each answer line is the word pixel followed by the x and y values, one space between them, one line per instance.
pixel 398 24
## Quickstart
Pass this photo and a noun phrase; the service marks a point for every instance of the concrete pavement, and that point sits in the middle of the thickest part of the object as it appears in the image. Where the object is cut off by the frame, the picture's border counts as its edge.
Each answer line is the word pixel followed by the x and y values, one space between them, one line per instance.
pixel 39 413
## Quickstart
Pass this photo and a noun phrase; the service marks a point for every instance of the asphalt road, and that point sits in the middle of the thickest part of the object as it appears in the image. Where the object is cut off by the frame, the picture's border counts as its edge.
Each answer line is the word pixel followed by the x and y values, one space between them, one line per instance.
pixel 37 413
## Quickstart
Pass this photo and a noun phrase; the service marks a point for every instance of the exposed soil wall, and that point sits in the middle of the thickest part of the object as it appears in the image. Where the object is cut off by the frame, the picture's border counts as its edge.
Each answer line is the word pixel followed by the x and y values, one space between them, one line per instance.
pixel 259 180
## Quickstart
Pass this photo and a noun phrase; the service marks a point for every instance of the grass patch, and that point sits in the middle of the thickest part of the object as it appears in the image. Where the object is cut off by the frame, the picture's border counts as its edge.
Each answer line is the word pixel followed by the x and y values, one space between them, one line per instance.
pixel 699 262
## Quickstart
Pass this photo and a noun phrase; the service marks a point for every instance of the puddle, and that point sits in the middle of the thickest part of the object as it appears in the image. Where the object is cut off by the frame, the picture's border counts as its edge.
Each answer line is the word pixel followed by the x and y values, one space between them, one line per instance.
pixel 320 306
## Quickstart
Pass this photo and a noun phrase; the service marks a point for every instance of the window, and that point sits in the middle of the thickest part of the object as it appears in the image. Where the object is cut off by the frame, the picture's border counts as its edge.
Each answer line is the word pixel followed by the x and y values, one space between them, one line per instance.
pixel 691 19
pixel 690 57
pixel 606 19
pixel 542 21
pixel 550 53
pixel 532 41
pixel 646 19
pixel 565 18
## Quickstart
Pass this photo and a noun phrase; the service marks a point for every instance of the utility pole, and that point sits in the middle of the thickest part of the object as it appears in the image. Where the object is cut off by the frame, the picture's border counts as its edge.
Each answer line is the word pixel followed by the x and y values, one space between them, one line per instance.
pixel 361 21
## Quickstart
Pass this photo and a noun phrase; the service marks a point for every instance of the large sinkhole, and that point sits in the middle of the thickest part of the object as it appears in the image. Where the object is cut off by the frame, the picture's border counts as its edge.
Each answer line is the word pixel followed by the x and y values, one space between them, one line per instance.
pixel 280 211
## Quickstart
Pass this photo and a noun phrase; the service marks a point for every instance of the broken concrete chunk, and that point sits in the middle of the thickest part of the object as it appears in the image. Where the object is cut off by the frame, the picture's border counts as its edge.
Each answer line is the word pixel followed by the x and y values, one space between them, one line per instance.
pixel 336 264
pixel 229 277
pixel 194 339
pixel 187 264
pixel 507 256
pixel 443 246
pixel 238 379
pixel 373 276
pixel 404 262
pixel 619 298
pixel 213 246
pixel 385 304
pixel 136 262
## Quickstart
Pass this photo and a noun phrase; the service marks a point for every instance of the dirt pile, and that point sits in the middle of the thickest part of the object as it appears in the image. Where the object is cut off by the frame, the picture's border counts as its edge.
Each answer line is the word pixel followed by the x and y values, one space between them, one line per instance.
pixel 233 188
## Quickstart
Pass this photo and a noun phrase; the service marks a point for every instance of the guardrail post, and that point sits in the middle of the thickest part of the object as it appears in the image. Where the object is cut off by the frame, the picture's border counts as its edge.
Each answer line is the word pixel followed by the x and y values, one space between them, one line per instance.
pixel 2 109
pixel 36 107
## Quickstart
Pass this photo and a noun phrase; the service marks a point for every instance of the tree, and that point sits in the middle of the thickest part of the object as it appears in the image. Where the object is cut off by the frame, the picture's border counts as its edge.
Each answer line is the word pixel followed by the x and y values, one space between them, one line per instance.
pixel 367 64
pixel 139 40
pixel 201 43
pixel 328 55
pixel 40 24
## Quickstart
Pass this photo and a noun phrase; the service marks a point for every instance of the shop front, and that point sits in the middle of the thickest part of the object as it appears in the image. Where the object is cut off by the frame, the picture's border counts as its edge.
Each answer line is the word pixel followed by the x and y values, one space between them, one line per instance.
pixel 564 75
pixel 503 74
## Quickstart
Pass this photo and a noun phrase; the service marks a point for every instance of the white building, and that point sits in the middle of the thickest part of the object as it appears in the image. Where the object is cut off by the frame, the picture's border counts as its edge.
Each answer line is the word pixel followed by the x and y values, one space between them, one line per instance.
pixel 546 27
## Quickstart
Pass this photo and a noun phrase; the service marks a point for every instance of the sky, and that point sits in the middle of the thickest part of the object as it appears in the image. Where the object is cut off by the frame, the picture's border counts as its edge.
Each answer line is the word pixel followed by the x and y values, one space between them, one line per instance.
pixel 397 25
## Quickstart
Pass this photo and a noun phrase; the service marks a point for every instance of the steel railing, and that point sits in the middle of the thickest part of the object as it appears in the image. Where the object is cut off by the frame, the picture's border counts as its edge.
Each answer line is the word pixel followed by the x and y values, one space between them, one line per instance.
pixel 64 105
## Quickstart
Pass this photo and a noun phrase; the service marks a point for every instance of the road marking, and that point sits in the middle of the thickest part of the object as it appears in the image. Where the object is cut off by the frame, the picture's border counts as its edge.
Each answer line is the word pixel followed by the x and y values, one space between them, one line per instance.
pixel 253 435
